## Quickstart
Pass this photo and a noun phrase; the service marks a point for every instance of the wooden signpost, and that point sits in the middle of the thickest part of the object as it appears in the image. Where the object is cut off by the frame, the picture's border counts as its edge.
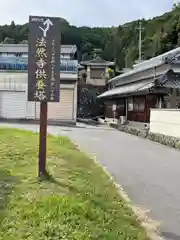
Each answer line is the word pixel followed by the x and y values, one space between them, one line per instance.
pixel 43 72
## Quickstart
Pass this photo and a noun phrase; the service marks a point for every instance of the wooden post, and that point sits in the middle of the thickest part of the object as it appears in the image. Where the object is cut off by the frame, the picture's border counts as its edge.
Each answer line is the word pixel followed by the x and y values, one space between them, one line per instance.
pixel 44 42
pixel 42 139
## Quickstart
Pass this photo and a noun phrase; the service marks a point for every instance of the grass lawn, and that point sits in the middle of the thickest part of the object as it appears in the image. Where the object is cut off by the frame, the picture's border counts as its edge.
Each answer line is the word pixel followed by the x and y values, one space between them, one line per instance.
pixel 79 202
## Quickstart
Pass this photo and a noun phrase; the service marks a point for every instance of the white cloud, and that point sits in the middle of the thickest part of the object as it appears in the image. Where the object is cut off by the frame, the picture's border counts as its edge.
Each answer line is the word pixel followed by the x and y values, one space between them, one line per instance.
pixel 84 12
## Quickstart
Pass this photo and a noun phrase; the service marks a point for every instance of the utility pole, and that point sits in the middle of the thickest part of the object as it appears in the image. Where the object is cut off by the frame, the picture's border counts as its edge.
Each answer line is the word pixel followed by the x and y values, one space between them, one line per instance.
pixel 140 29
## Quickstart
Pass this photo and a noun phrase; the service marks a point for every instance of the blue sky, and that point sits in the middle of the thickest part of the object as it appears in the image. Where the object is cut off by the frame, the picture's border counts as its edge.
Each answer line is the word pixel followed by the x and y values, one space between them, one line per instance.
pixel 84 12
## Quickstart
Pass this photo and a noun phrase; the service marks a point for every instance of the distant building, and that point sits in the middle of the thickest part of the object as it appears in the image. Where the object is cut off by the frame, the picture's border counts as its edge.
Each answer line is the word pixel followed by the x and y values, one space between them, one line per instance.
pixel 13 85
pixel 96 71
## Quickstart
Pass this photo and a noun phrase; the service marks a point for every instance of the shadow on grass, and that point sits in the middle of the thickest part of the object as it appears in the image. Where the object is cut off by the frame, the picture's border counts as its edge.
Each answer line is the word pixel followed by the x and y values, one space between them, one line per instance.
pixel 48 177
pixel 7 184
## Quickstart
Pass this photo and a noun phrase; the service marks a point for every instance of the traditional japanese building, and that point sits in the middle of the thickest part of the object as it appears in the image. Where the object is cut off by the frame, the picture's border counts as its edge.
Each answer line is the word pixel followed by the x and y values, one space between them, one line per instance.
pixel 97 71
pixel 13 85
pixel 154 83
pixel 93 77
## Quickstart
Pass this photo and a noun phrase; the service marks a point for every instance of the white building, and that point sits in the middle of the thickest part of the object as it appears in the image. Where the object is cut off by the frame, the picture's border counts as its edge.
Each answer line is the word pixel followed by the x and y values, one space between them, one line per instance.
pixel 14 79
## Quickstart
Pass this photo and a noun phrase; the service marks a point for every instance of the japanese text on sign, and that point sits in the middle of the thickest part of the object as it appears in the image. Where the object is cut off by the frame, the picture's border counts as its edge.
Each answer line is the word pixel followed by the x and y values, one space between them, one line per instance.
pixel 44 59
pixel 52 93
pixel 41 75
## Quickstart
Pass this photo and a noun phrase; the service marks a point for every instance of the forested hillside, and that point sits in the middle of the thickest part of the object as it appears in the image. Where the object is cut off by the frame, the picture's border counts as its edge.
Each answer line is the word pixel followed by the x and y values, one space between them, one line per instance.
pixel 118 43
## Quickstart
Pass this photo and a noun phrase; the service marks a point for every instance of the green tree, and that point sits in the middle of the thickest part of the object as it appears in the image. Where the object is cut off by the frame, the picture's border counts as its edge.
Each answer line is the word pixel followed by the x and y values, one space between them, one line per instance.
pixel 119 44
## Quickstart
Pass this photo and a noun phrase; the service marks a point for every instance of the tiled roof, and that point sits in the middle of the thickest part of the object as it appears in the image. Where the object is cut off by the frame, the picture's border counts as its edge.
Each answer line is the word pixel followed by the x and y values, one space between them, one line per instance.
pixel 97 61
pixel 153 62
pixel 128 88
pixel 23 48
pixel 168 79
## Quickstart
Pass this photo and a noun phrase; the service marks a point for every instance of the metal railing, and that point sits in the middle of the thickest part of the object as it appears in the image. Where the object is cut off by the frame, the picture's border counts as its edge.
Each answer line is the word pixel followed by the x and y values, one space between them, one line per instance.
pixel 21 64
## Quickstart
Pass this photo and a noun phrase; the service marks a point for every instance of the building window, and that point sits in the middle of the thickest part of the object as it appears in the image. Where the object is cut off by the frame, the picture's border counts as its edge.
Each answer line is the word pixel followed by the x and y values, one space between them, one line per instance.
pixel 130 104
pixel 136 107
pixel 139 104
pixel 121 109
pixel 97 73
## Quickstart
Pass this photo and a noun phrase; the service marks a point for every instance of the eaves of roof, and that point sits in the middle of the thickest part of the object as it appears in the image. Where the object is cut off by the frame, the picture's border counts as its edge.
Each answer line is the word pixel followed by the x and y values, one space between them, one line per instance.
pixel 166 58
pixel 133 71
pixel 169 79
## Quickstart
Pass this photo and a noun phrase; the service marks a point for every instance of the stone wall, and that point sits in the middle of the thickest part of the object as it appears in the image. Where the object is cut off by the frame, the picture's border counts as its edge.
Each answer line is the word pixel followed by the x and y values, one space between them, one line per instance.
pixel 144 133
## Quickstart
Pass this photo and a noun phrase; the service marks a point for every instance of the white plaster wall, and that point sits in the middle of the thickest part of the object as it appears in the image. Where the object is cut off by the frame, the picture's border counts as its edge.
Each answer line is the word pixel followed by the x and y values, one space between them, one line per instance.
pixel 75 102
pixel 10 81
pixel 165 121
pixel 23 76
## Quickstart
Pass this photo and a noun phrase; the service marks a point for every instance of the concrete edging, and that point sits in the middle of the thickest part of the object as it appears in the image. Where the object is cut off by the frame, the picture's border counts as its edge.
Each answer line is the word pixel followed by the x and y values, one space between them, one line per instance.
pixel 64 123
pixel 169 141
